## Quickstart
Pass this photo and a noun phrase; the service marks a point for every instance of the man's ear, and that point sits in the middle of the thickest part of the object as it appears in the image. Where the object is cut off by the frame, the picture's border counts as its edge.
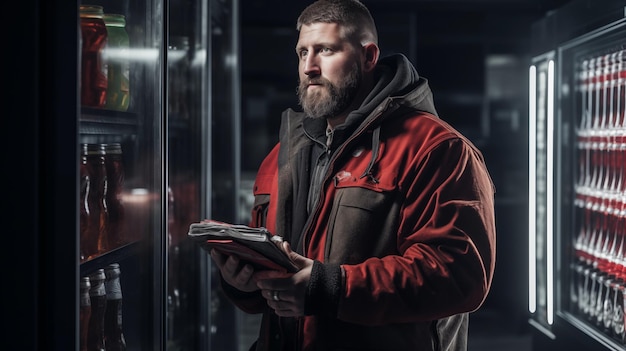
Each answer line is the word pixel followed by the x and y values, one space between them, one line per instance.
pixel 372 53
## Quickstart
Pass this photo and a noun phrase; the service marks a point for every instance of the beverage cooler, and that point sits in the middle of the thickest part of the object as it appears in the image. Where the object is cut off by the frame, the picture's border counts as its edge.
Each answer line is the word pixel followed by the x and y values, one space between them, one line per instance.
pixel 118 104
pixel 577 178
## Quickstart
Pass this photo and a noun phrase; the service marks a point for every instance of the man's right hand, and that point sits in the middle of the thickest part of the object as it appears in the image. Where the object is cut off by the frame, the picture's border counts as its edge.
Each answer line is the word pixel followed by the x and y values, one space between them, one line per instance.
pixel 238 275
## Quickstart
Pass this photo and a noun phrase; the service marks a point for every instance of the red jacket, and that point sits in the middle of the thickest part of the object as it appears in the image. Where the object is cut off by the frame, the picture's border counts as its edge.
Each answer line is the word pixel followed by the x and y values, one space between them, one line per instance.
pixel 406 214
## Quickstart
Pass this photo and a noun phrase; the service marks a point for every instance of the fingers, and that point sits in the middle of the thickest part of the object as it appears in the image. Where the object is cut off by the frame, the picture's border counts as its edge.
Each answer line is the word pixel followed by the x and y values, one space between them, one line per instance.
pixel 228 264
pixel 234 273
pixel 300 261
pixel 245 275
pixel 276 296
pixel 276 287
pixel 283 303
pixel 231 265
pixel 218 258
pixel 286 247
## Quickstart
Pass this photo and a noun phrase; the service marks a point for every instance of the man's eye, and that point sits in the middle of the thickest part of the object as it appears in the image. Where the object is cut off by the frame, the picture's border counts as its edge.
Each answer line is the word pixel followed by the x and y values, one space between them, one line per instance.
pixel 326 50
pixel 303 53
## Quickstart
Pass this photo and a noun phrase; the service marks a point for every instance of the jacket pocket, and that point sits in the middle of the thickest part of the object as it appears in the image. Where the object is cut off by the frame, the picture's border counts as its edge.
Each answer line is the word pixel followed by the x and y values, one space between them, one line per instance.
pixel 259 211
pixel 362 224
pixel 261 191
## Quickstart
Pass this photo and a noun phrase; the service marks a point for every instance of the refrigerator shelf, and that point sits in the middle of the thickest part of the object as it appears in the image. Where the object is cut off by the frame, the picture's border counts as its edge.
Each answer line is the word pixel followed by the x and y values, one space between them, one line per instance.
pixel 108 122
pixel 113 256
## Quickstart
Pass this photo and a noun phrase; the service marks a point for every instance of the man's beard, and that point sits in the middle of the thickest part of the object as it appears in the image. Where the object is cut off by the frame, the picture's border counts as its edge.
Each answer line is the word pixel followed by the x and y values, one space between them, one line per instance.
pixel 331 100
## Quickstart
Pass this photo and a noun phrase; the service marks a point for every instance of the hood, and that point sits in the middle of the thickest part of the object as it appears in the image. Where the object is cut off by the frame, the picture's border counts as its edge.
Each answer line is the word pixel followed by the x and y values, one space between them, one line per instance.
pixel 396 79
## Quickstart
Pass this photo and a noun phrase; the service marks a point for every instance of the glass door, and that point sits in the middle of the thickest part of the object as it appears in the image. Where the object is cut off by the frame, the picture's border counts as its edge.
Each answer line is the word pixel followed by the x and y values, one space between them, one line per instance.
pixel 593 203
pixel 203 145
pixel 188 87
pixel 122 161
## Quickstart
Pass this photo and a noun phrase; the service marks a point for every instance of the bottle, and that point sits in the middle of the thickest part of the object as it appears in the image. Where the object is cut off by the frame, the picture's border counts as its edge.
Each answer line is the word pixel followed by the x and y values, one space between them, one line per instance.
pixel 113 332
pixel 117 62
pixel 98 297
pixel 83 206
pixel 618 316
pixel 85 312
pixel 619 306
pixel 115 183
pixel 97 241
pixel 93 71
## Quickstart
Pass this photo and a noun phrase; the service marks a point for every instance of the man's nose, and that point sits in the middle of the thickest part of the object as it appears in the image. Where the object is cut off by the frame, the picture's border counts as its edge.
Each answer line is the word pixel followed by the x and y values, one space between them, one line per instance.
pixel 311 66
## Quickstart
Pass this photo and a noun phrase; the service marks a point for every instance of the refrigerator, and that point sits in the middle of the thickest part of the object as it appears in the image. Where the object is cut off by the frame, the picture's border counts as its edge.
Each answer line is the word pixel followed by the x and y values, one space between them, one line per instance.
pixel 124 131
pixel 577 178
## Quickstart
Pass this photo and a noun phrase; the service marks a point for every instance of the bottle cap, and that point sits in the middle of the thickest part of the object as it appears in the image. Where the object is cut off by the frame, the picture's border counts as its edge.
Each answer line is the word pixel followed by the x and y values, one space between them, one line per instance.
pixel 93 149
pixel 85 283
pixel 114 19
pixel 113 148
pixel 112 270
pixel 91 11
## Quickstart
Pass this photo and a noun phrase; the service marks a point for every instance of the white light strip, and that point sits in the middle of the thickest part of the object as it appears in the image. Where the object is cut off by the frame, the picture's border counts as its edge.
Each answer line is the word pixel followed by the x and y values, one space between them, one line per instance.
pixel 550 197
pixel 532 188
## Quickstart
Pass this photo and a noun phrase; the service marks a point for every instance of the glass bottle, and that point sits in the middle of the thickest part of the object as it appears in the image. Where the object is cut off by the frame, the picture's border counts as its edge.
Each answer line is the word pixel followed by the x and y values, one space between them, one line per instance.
pixel 93 71
pixel 113 332
pixel 85 312
pixel 84 207
pixel 115 184
pixel 117 62
pixel 619 331
pixel 97 295
pixel 97 241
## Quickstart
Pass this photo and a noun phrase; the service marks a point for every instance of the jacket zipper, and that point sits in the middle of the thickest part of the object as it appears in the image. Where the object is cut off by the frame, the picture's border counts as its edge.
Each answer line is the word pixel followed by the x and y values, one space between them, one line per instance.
pixel 307 226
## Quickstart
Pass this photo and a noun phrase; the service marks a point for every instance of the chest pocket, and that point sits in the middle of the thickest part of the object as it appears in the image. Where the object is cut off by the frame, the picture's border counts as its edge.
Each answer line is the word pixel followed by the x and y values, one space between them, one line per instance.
pixel 363 223
pixel 262 189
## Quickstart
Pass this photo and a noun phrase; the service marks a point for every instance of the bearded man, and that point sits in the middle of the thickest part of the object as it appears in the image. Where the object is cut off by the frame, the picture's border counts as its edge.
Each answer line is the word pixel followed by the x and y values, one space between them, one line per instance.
pixel 386 209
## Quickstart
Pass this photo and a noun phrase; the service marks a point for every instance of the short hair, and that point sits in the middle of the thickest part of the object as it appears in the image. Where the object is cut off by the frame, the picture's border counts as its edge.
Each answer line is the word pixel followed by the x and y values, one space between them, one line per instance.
pixel 352 15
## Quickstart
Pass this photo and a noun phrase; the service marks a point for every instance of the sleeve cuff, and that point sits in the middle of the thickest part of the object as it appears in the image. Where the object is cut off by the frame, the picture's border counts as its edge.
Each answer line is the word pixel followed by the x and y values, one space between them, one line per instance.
pixel 324 290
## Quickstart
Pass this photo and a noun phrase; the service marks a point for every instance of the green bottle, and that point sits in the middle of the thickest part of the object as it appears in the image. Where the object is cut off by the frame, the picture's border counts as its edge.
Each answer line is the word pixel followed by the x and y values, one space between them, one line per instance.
pixel 117 60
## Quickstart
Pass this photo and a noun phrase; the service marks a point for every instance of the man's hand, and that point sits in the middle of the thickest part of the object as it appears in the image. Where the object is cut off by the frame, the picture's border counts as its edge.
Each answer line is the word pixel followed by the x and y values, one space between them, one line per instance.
pixel 241 278
pixel 285 292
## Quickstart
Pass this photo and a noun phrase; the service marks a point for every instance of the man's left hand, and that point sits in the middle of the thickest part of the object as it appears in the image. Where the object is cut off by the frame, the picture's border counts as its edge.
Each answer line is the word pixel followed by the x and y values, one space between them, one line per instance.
pixel 285 293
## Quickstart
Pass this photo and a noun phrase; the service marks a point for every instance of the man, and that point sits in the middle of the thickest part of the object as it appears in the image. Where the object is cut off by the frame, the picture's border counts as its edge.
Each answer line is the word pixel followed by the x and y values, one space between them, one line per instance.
pixel 386 209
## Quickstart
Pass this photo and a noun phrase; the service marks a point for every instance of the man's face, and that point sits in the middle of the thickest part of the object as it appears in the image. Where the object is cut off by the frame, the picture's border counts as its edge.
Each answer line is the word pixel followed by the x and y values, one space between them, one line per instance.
pixel 329 71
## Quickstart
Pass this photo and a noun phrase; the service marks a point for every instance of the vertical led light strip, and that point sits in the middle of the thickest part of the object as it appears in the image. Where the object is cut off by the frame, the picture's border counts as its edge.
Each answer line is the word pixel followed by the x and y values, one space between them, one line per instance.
pixel 532 189
pixel 550 196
